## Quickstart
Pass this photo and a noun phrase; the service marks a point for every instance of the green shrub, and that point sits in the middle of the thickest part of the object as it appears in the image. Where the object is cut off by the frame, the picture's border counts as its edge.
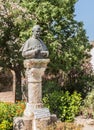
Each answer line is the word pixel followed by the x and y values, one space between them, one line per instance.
pixel 89 100
pixel 64 105
pixel 5 125
pixel 49 86
pixel 7 112
pixel 88 105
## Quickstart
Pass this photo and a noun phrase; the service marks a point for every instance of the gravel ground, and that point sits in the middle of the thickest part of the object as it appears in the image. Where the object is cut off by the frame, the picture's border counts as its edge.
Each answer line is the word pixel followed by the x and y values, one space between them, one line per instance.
pixel 88 124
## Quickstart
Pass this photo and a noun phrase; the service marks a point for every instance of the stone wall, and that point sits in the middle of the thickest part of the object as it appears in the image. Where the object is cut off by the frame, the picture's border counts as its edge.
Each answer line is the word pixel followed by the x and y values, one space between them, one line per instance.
pixel 7 86
pixel 7 96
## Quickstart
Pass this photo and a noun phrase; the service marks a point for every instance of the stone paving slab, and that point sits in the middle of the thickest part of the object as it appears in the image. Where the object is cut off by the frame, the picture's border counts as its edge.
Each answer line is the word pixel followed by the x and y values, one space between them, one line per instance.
pixel 88 124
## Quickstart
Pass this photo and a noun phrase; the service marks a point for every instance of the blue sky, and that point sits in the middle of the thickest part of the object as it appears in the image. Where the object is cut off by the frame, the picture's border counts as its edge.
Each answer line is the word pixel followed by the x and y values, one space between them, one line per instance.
pixel 84 11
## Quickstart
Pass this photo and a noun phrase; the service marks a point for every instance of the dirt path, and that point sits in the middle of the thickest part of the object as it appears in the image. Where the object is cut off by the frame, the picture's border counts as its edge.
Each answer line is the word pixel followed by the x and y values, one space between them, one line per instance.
pixel 88 124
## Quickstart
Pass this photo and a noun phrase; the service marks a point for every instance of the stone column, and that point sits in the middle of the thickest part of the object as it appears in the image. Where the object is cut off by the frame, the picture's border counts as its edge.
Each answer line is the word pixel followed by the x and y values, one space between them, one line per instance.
pixel 35 69
pixel 35 117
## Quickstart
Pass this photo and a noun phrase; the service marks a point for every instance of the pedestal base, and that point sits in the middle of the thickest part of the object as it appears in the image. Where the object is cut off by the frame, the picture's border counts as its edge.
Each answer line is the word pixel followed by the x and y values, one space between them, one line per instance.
pixel 35 116
pixel 30 108
pixel 25 123
pixel 44 121
pixel 22 123
pixel 40 124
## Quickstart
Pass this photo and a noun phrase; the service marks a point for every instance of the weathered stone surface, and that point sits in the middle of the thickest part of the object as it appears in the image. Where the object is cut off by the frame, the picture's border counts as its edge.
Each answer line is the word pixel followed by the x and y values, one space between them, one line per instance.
pixel 34 47
pixel 7 96
pixel 34 71
pixel 41 113
pixel 25 123
pixel 35 113
pixel 36 63
pixel 35 93
pixel 41 124
pixel 29 111
pixel 22 123
pixel 44 123
pixel 53 118
pixel 36 117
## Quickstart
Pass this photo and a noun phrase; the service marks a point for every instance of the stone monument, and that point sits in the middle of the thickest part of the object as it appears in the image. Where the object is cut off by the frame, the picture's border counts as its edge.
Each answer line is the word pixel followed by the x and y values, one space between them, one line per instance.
pixel 36 55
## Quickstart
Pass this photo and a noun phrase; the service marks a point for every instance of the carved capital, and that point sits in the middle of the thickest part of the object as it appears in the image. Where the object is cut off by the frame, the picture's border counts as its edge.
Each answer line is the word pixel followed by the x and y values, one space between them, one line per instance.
pixel 35 69
pixel 36 63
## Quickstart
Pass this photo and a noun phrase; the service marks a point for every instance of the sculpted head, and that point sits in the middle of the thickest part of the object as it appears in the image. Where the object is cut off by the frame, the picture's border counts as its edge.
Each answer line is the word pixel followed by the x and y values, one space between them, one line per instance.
pixel 36 31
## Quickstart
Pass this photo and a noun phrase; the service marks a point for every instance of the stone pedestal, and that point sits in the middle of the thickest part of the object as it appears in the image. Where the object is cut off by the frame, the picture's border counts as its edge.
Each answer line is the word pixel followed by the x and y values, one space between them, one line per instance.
pixel 35 111
pixel 22 123
pixel 34 71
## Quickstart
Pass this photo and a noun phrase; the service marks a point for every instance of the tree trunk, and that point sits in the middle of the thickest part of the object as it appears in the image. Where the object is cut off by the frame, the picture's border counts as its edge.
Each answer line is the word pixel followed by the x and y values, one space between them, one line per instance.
pixel 18 83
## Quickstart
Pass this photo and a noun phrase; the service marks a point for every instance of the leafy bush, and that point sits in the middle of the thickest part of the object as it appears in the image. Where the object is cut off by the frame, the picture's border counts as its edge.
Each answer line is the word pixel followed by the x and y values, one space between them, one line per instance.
pixel 88 105
pixel 50 85
pixel 64 105
pixel 89 100
pixel 7 112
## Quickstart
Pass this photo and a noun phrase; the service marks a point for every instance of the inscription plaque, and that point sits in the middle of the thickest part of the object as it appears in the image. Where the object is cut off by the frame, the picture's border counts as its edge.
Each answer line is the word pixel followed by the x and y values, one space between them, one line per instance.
pixel 41 113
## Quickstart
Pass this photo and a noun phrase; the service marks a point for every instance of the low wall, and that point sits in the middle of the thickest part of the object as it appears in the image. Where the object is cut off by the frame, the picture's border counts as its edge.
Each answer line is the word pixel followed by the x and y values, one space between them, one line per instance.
pixel 7 96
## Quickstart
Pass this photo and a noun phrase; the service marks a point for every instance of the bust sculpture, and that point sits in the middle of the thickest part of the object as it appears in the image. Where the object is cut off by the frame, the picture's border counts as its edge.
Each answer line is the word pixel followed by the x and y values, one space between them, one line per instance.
pixel 34 46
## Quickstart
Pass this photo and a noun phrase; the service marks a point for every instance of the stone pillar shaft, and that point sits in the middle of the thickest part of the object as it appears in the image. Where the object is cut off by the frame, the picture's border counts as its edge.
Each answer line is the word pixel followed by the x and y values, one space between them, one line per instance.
pixel 35 69
pixel 34 93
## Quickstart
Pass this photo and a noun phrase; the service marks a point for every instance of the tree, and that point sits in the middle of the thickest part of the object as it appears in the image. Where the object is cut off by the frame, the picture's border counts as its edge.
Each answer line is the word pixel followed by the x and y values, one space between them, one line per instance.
pixel 65 37
pixel 13 20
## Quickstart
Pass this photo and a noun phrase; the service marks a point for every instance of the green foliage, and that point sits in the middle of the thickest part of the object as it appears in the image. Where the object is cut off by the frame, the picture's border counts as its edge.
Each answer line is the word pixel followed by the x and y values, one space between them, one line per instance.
pixel 65 37
pixel 12 18
pixel 5 125
pixel 89 100
pixel 87 108
pixel 49 86
pixel 80 79
pixel 64 105
pixel 7 112
pixel 66 41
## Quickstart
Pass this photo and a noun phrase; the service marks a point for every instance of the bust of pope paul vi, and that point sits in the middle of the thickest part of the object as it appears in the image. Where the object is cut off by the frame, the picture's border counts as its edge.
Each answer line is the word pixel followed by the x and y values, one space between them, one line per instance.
pixel 34 46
